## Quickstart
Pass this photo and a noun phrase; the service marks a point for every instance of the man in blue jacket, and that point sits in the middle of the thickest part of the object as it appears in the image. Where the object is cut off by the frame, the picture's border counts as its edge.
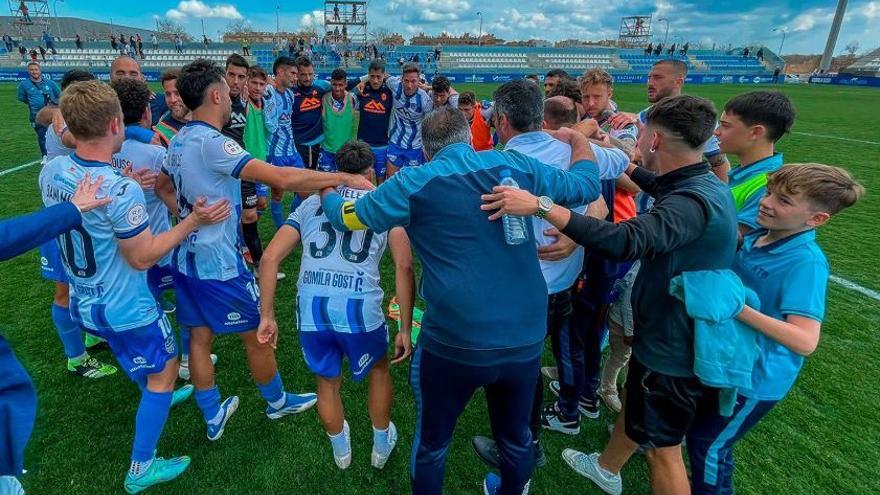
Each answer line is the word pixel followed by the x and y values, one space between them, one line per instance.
pixel 36 92
pixel 18 399
pixel 466 344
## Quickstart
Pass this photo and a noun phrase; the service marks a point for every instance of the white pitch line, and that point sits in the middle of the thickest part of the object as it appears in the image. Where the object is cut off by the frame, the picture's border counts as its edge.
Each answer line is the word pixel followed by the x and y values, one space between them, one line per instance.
pixel 824 136
pixel 19 167
pixel 873 294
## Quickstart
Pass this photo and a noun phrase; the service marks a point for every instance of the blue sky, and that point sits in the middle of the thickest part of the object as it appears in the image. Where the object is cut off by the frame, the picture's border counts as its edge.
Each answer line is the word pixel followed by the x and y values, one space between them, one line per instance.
pixel 747 21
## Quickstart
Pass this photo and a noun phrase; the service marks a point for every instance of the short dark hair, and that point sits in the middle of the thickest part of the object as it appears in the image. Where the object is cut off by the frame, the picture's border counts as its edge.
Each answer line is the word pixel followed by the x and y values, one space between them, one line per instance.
pixel 558 114
pixel 169 75
pixel 258 72
pixel 691 118
pixel 467 98
pixel 771 109
pixel 134 97
pixel 376 65
pixel 195 79
pixel 440 84
pixel 302 61
pixel 568 88
pixel 532 76
pixel 521 102
pixel 75 75
pixel 237 60
pixel 411 67
pixel 355 157
pixel 558 73
pixel 284 61
pixel 680 68
pixel 338 75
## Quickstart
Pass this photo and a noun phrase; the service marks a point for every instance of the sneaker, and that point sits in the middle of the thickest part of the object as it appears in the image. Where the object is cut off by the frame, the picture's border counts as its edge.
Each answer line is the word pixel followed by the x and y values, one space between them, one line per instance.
pixel 181 395
pixel 588 408
pixel 381 453
pixel 90 367
pixel 550 372
pixel 293 404
pixel 611 399
pixel 160 471
pixel 167 306
pixel 492 485
pixel 587 465
pixel 184 373
pixel 553 420
pixel 227 409
pixel 344 460
pixel 487 451
pixel 93 342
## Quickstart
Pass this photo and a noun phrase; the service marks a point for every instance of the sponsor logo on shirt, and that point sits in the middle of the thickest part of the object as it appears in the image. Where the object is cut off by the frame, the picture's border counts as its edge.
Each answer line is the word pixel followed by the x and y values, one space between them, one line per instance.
pixel 233 316
pixel 374 106
pixel 310 102
pixel 136 215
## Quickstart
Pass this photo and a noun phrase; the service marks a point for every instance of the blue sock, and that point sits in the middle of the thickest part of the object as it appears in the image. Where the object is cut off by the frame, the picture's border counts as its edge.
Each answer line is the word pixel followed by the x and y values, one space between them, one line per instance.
pixel 276 208
pixel 272 391
pixel 209 402
pixel 297 200
pixel 70 333
pixel 148 424
pixel 184 341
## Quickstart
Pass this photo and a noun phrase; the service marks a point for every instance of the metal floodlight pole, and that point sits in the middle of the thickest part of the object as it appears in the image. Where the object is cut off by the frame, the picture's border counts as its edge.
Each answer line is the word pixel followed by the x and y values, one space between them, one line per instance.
pixel 825 63
pixel 480 39
pixel 782 42
pixel 666 35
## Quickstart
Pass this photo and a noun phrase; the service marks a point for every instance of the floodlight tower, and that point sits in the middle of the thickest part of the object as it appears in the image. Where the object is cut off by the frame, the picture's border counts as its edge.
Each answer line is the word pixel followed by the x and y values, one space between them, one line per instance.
pixel 346 21
pixel 825 63
pixel 30 17
pixel 635 30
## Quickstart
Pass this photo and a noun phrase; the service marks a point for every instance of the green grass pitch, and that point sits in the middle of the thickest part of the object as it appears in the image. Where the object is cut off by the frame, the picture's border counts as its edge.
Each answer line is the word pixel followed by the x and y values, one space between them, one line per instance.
pixel 824 438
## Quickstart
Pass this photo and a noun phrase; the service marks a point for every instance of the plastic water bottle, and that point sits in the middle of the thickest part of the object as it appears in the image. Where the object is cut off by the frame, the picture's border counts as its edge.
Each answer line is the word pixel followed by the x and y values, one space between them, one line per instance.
pixel 515 229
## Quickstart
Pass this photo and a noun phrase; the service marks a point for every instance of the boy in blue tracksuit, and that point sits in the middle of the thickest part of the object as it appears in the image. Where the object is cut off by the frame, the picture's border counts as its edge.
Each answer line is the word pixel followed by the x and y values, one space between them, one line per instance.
pixel 784 265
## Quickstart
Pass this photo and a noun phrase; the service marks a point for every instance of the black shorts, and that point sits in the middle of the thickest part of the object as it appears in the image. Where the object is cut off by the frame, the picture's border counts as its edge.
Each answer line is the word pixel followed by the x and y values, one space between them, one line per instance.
pixel 248 195
pixel 660 408
pixel 310 153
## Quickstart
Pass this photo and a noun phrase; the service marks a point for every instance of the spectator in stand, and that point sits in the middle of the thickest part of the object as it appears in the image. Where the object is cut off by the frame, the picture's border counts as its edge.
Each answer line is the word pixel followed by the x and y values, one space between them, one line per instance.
pixel 245 47
pixel 671 51
pixel 760 54
pixel 685 48
pixel 33 54
pixel 23 52
pixel 650 49
pixel 79 42
pixel 746 52
pixel 49 41
pixel 178 43
pixel 354 13
pixel 658 49
pixel 335 13
pixel 140 45
pixel 205 41
pixel 113 44
pixel 42 53
pixel 154 41
pixel 7 40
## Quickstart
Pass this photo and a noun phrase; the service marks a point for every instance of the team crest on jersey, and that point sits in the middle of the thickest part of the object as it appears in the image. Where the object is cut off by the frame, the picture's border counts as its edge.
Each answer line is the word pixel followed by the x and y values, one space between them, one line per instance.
pixel 136 215
pixel 232 148
pixel 384 97
pixel 374 106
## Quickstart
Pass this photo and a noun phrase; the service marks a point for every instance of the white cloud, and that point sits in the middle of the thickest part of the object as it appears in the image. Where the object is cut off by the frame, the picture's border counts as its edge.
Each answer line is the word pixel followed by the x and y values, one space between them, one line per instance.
pixel 803 22
pixel 199 9
pixel 314 20
pixel 871 10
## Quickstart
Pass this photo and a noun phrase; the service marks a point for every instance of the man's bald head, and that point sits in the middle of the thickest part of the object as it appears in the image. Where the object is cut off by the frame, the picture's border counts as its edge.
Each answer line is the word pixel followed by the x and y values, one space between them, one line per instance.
pixel 559 111
pixel 125 67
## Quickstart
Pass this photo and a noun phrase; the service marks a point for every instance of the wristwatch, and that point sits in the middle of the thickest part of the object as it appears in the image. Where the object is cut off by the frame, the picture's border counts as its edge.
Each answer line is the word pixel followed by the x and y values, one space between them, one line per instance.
pixel 545 204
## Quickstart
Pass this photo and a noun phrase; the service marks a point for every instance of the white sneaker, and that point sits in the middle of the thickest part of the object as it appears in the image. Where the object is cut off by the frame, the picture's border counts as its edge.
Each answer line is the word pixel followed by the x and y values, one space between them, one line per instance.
pixel 344 460
pixel 611 399
pixel 380 456
pixel 550 372
pixel 587 465
pixel 184 373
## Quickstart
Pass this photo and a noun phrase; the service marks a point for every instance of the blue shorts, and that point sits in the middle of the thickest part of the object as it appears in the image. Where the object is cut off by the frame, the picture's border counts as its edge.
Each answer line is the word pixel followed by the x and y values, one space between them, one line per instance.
pixel 381 154
pixel 142 351
pixel 323 351
pixel 224 306
pixel 400 157
pixel 160 278
pixel 51 266
pixel 287 161
pixel 327 161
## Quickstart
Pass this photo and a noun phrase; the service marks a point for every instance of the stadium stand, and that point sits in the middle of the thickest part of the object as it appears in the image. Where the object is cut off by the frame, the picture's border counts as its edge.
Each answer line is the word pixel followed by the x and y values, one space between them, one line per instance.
pixel 867 66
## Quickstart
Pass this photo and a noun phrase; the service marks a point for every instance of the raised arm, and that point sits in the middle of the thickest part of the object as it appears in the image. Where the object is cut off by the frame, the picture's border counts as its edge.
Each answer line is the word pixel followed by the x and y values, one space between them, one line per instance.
pixel 298 179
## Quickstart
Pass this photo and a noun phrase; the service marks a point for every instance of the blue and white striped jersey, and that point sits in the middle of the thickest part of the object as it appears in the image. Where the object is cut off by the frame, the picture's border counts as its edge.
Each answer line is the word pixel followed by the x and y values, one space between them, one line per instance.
pixel 338 285
pixel 203 162
pixel 407 115
pixel 139 156
pixel 278 111
pixel 107 294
